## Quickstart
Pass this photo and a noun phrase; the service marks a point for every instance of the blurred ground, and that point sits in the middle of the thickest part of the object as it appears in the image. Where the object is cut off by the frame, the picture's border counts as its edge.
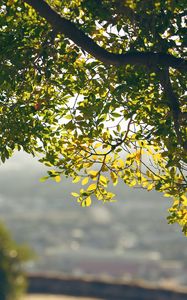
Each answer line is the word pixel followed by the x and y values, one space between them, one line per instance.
pixel 52 297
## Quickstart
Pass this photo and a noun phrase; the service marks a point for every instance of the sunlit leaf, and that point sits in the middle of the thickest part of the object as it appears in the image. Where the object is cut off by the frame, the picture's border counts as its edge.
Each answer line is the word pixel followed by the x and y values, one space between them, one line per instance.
pixel 92 187
pixel 57 178
pixel 85 180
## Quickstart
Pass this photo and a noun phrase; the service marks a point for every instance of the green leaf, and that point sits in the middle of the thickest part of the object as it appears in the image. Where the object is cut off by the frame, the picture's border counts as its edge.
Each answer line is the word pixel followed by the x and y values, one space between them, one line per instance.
pixel 43 179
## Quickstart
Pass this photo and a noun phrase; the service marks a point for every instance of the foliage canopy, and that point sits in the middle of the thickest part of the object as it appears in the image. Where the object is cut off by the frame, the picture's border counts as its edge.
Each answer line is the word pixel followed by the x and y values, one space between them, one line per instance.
pixel 97 89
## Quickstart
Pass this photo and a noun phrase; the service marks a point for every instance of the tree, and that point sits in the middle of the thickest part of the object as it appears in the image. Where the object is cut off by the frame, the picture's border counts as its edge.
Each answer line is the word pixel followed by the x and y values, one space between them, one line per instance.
pixel 97 89
pixel 12 257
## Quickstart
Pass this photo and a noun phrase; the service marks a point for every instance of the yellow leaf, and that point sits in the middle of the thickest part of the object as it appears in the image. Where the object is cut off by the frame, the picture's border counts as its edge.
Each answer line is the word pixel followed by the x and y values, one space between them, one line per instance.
pixel 87 165
pixel 93 173
pixel 167 195
pixel 138 155
pixel 110 195
pixel 157 156
pixel 108 159
pixel 132 183
pixel 114 178
pixel 85 181
pixel 184 200
pixel 150 187
pixel 97 145
pixel 116 182
pixel 87 201
pixel 142 143
pixel 76 179
pixel 94 157
pixel 57 178
pixel 75 194
pixel 121 163
pixel 103 180
pixel 92 187
pixel 144 182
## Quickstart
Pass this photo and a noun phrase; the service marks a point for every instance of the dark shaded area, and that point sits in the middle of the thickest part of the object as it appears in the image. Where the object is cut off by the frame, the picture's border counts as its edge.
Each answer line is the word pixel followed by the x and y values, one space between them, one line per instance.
pixel 101 289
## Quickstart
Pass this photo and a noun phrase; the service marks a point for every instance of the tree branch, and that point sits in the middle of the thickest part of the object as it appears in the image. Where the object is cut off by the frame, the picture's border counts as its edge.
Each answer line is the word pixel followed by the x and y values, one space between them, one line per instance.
pixel 174 104
pixel 69 29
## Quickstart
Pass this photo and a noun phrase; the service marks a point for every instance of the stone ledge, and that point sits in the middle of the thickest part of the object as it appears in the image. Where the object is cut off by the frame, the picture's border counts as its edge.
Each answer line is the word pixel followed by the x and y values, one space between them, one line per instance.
pixel 54 297
pixel 103 289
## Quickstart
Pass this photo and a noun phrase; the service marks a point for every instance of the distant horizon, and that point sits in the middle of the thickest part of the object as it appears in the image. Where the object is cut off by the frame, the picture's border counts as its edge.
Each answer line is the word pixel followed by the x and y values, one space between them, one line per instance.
pixel 70 239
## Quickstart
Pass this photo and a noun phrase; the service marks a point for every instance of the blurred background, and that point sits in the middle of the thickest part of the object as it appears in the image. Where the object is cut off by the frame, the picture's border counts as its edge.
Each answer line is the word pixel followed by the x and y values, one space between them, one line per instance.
pixel 129 239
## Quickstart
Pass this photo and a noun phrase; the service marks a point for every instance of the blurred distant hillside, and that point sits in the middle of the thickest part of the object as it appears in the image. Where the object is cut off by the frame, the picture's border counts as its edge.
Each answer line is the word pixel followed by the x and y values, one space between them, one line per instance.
pixel 128 239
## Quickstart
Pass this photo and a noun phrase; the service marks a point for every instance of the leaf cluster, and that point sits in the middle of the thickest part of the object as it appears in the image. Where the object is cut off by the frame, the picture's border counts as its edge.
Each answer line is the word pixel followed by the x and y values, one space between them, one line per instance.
pixel 94 123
